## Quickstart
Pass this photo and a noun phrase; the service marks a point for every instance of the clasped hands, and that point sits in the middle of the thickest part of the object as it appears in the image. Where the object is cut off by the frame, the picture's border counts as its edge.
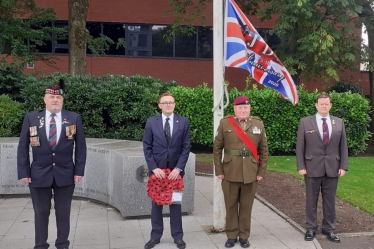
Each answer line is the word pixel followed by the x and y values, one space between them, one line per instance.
pixel 160 174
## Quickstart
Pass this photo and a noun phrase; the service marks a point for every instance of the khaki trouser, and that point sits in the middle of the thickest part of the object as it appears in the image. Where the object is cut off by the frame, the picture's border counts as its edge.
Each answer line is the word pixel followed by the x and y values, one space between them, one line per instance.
pixel 239 199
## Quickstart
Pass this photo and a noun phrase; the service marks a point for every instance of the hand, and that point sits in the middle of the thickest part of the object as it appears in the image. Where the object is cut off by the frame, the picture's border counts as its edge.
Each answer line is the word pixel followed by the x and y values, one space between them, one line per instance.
pixel 26 180
pixel 159 173
pixel 77 179
pixel 341 172
pixel 259 178
pixel 174 174
pixel 221 177
pixel 302 172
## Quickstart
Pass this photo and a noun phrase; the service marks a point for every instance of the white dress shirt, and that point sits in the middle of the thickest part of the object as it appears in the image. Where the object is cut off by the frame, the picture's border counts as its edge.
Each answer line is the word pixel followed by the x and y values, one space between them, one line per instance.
pixel 58 121
pixel 171 118
pixel 320 122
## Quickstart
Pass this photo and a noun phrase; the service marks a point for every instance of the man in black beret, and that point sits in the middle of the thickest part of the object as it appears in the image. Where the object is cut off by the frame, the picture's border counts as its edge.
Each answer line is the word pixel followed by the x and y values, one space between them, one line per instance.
pixel 58 149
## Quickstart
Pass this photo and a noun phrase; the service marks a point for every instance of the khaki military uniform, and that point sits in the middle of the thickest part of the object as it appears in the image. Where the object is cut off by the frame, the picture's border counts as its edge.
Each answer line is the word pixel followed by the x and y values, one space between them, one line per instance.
pixel 240 170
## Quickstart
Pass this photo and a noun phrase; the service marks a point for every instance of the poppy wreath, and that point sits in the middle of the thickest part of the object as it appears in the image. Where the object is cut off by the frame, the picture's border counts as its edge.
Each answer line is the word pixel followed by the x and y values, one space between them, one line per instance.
pixel 161 190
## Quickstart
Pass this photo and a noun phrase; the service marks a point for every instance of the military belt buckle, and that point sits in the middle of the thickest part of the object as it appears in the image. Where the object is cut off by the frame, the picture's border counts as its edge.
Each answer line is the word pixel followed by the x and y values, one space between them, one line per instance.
pixel 244 153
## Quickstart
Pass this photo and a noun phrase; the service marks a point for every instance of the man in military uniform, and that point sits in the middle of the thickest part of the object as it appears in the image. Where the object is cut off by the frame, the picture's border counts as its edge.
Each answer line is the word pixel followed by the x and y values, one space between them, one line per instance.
pixel 242 140
pixel 58 148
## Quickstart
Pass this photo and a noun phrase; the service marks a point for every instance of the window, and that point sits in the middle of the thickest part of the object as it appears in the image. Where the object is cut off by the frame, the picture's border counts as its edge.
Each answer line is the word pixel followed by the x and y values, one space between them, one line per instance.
pixel 160 47
pixel 185 45
pixel 271 40
pixel 138 40
pixel 115 31
pixel 205 42
pixel 61 45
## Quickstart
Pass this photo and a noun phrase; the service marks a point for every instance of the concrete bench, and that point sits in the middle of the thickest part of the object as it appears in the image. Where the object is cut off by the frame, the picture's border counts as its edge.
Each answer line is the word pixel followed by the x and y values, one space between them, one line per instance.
pixel 116 173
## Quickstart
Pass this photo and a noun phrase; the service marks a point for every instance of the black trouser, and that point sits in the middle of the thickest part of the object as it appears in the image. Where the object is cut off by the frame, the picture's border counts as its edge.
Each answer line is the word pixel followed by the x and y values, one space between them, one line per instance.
pixel 41 200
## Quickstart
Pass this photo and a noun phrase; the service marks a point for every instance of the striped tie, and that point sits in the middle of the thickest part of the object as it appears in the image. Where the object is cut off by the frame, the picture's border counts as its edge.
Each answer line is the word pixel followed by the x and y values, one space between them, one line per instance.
pixel 325 136
pixel 53 132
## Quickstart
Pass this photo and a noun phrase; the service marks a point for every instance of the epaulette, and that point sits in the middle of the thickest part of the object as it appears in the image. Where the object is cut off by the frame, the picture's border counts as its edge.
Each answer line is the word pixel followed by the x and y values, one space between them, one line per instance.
pixel 255 117
pixel 41 110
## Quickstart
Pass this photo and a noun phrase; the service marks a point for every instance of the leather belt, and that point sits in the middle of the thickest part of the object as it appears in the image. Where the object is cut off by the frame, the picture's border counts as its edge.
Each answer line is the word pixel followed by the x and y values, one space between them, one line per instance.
pixel 244 153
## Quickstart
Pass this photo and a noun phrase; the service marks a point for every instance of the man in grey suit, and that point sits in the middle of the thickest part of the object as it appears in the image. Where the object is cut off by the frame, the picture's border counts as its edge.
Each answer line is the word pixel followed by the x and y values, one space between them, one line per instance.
pixel 166 144
pixel 322 157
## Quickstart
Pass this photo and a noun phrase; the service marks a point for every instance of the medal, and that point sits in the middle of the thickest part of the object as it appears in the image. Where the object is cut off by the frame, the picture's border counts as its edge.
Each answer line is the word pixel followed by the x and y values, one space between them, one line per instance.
pixel 256 130
pixel 34 141
pixel 70 131
pixel 33 131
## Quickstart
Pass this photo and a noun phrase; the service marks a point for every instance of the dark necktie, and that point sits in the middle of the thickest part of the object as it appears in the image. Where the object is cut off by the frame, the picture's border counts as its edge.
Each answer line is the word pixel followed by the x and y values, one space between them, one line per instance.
pixel 52 132
pixel 243 124
pixel 325 130
pixel 167 130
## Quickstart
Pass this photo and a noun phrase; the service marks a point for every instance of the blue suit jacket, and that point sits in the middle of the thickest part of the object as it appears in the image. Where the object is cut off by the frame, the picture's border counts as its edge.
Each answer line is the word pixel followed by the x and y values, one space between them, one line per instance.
pixel 47 165
pixel 158 153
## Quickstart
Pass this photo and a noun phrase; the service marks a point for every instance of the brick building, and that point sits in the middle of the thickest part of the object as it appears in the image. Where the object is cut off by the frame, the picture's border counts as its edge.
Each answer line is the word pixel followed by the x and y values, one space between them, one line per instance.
pixel 187 59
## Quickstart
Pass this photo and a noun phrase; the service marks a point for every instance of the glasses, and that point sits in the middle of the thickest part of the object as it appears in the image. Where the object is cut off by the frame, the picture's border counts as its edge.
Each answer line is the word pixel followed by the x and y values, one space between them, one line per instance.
pixel 167 103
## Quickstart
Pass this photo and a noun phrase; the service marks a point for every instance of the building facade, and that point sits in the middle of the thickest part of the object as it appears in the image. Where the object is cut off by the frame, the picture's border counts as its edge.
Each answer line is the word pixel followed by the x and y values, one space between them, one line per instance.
pixel 142 24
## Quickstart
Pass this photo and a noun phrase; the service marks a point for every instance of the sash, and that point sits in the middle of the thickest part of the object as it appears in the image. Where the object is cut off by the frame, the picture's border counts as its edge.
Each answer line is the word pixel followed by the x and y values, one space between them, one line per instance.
pixel 245 139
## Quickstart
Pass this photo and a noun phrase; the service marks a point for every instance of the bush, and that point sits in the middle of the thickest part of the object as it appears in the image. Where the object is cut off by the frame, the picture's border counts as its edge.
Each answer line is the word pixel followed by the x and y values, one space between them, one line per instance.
pixel 111 106
pixel 346 86
pixel 11 116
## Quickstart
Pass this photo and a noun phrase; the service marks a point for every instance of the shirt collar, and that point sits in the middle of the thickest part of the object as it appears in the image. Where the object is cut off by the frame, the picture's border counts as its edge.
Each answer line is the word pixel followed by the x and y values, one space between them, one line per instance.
pixel 170 117
pixel 48 114
pixel 319 117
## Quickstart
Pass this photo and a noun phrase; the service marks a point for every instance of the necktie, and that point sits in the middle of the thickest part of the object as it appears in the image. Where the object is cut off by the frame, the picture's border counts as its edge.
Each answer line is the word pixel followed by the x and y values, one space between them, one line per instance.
pixel 243 124
pixel 325 130
pixel 167 130
pixel 52 132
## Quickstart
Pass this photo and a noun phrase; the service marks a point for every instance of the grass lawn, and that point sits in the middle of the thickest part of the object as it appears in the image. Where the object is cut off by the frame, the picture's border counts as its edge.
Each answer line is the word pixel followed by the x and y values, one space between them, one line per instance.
pixel 356 187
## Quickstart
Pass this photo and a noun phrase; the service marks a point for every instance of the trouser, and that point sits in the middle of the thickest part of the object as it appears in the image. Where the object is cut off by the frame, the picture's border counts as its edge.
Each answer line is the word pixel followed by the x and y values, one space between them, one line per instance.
pixel 327 186
pixel 158 222
pixel 239 199
pixel 41 200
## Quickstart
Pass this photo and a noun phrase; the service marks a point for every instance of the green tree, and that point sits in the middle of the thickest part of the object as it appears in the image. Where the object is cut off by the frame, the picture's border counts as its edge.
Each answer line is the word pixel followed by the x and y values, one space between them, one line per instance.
pixel 20 36
pixel 318 37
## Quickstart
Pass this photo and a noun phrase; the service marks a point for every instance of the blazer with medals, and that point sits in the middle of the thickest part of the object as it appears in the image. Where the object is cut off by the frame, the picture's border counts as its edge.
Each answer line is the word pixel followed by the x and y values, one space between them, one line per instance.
pixel 238 168
pixel 312 155
pixel 47 164
pixel 157 152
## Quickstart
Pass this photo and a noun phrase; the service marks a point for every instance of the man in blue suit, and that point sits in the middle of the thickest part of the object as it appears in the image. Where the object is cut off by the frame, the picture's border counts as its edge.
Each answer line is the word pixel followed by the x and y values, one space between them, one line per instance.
pixel 166 144
pixel 58 149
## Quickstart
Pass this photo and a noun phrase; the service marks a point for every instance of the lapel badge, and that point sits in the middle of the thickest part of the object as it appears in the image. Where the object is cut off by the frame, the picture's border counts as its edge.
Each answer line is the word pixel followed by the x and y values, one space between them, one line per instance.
pixel 333 121
pixel 65 121
pixel 311 131
pixel 41 122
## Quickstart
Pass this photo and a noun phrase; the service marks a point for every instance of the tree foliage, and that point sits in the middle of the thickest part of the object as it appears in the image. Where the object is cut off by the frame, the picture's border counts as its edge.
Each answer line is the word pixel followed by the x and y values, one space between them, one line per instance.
pixel 318 37
pixel 24 27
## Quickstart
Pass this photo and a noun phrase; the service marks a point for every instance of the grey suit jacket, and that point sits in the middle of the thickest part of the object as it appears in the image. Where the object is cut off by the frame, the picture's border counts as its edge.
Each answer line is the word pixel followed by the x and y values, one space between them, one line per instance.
pixel 312 155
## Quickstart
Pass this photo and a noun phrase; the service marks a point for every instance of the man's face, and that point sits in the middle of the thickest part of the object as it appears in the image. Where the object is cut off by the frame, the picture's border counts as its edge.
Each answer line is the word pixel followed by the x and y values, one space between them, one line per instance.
pixel 167 105
pixel 242 112
pixel 323 106
pixel 53 103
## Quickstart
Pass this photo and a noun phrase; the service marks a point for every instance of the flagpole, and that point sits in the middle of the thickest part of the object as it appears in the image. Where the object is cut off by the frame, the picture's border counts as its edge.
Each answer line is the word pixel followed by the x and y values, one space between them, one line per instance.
pixel 219 211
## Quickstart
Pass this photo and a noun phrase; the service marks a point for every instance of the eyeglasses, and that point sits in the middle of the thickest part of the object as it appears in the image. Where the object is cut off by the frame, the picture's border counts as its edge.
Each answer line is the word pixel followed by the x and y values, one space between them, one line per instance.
pixel 167 103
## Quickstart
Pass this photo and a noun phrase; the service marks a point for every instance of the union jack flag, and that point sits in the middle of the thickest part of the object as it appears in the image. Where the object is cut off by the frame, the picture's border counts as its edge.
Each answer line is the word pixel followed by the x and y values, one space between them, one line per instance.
pixel 245 49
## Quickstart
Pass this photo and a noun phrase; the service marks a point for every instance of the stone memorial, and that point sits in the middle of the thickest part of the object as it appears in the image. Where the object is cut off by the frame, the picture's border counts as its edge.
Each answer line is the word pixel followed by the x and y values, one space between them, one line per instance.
pixel 116 173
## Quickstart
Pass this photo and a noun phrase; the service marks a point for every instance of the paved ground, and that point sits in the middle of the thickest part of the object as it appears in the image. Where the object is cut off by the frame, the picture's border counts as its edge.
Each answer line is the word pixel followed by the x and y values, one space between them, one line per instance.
pixel 96 226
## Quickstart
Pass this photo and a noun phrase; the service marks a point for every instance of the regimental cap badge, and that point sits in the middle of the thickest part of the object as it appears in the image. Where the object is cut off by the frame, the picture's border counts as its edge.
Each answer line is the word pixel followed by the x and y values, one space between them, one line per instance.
pixel 242 100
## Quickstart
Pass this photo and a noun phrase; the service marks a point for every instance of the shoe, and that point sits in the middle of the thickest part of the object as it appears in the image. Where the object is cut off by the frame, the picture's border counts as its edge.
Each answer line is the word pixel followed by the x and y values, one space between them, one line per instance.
pixel 151 243
pixel 180 243
pixel 230 243
pixel 309 235
pixel 244 243
pixel 332 236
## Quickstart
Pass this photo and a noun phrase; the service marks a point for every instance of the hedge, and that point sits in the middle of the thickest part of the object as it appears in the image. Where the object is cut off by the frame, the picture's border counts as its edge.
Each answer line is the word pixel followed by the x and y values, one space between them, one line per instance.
pixel 11 116
pixel 118 106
